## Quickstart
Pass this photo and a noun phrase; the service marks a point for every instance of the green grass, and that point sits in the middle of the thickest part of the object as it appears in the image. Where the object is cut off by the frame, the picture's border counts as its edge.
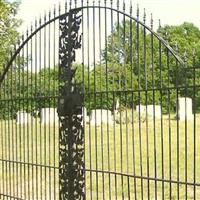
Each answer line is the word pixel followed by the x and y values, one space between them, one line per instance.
pixel 116 148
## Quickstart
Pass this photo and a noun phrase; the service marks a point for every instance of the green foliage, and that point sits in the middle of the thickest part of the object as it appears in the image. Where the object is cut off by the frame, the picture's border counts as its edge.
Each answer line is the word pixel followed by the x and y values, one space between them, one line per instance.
pixel 151 64
pixel 8 28
pixel 186 37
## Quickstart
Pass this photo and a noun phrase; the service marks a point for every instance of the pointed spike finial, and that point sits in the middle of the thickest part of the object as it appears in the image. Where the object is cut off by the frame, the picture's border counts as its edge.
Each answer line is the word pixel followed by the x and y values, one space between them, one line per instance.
pixel 49 14
pixel 27 31
pixel 124 6
pixel 144 16
pixel 18 40
pixel 65 5
pixel 159 26
pixel 117 4
pixel 40 20
pixel 45 16
pixel 54 10
pixel 151 21
pixel 159 23
pixel 138 11
pixel 35 23
pixel 111 3
pixel 31 27
pixel 59 8
pixel 131 7
pixel 22 37
pixel 15 47
pixel 70 4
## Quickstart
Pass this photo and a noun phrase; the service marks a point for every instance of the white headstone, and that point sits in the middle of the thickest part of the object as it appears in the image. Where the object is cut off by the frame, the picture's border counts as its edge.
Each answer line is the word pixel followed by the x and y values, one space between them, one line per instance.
pixel 100 116
pixel 85 116
pixel 49 116
pixel 154 111
pixel 151 110
pixel 141 108
pixel 23 117
pixel 184 108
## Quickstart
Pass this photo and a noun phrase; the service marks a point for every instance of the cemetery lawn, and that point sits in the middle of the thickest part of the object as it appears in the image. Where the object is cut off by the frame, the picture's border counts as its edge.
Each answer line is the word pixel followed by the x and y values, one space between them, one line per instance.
pixel 159 151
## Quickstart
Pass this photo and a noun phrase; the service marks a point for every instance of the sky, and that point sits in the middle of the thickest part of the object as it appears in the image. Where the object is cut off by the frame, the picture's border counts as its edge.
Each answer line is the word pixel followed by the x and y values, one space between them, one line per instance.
pixel 172 12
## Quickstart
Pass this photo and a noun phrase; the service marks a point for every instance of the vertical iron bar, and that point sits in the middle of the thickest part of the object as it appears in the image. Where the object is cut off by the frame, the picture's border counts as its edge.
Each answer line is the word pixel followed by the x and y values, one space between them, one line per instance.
pixel 2 141
pixel 89 96
pixel 27 123
pixel 186 126
pixel 83 81
pixel 194 126
pixel 177 127
pixel 59 82
pixel 101 88
pixel 169 124
pixel 23 125
pixel 55 94
pixel 119 88
pixel 114 99
pixel 161 126
pixel 132 114
pixel 32 100
pixel 40 103
pixel 36 120
pixel 154 122
pixel 16 135
pixel 50 100
pixel 107 128
pixel 95 99
pixel 45 111
pixel 139 87
pixel 6 146
pixel 20 132
pixel 9 131
pixel 12 179
pixel 13 135
pixel 146 102
pixel 6 152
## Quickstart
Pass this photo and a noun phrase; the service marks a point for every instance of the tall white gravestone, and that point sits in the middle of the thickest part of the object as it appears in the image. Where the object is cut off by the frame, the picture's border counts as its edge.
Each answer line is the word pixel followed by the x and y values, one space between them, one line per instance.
pixel 154 111
pixel 184 108
pixel 100 116
pixel 141 109
pixel 49 116
pixel 151 110
pixel 84 115
pixel 23 117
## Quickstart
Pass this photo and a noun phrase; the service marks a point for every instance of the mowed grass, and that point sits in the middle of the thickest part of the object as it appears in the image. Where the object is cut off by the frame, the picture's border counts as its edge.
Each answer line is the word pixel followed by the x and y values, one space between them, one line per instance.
pixel 137 155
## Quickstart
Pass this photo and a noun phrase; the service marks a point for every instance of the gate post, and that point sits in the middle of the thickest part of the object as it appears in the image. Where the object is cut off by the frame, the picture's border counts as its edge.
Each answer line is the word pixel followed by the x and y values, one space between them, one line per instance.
pixel 71 132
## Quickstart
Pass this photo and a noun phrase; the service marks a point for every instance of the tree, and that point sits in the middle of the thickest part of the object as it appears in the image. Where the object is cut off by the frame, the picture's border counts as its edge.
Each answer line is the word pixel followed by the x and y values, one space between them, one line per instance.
pixel 186 38
pixel 150 63
pixel 8 28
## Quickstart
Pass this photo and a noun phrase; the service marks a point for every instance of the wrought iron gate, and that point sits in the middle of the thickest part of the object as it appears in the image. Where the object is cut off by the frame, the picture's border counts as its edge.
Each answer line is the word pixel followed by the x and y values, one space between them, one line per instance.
pixel 87 110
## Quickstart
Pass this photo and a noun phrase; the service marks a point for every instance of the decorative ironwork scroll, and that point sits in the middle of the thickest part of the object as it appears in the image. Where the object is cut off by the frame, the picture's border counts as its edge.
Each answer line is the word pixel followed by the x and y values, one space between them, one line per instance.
pixel 71 166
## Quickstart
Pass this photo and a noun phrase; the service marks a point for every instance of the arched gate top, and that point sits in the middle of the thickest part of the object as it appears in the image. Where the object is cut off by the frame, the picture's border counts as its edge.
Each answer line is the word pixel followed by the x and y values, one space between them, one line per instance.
pixel 171 50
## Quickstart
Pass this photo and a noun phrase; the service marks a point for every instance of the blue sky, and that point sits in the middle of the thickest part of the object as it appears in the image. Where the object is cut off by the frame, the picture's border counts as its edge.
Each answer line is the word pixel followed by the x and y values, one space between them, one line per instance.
pixel 171 12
